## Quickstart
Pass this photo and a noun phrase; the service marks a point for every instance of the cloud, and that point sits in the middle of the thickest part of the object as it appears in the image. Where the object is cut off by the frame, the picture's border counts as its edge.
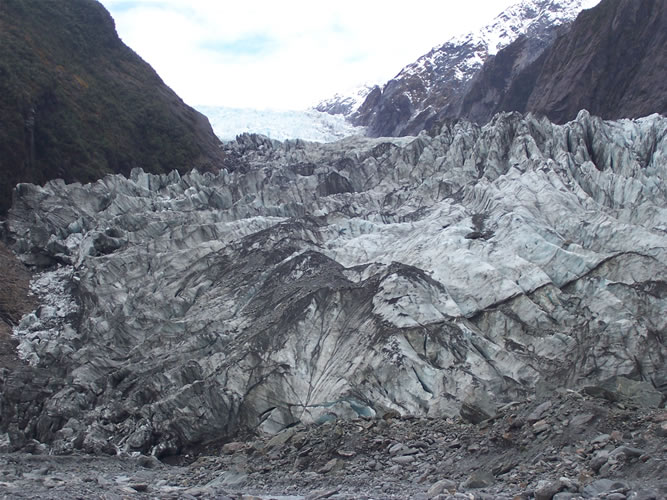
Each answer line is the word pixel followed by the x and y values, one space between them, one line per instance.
pixel 286 55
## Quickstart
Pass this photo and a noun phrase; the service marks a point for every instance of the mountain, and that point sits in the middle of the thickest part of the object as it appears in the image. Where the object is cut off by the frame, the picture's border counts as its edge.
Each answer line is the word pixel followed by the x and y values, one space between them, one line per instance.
pixel 76 103
pixel 439 79
pixel 346 103
pixel 308 125
pixel 611 61
pixel 440 276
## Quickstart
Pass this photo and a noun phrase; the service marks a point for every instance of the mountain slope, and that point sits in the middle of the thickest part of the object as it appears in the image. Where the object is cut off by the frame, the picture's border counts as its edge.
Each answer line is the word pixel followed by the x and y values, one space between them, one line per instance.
pixel 439 80
pixel 76 103
pixel 611 61
pixel 428 276
pixel 346 103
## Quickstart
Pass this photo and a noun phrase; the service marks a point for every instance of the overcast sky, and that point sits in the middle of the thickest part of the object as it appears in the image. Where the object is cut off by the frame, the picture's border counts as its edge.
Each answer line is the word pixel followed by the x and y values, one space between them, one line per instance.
pixel 287 54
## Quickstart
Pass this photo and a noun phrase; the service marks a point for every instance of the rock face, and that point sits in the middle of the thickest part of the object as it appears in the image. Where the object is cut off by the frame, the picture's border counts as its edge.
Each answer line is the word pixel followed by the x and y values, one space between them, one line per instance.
pixel 14 303
pixel 505 82
pixel 614 60
pixel 76 103
pixel 316 282
pixel 436 84
pixel 610 61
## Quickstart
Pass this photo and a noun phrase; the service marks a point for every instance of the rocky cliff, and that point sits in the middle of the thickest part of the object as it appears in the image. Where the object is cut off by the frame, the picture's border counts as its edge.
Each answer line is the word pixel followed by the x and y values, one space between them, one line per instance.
pixel 430 276
pixel 611 61
pixel 76 103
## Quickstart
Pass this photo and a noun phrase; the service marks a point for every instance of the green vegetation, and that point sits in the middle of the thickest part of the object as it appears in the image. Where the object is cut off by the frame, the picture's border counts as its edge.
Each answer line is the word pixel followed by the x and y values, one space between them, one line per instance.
pixel 76 103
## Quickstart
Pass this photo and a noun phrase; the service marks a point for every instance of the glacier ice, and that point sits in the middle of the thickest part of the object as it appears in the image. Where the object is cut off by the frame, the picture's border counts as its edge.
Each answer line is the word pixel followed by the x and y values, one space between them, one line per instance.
pixel 313 281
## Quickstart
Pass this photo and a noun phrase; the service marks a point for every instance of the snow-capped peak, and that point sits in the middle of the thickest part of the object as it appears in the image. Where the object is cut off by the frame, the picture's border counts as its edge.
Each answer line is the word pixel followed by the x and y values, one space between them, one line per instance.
pixel 436 83
pixel 345 103
pixel 524 18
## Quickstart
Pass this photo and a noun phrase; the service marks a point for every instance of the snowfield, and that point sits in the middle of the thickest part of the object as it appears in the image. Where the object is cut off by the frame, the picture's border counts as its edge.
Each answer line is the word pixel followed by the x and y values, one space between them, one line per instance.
pixel 309 125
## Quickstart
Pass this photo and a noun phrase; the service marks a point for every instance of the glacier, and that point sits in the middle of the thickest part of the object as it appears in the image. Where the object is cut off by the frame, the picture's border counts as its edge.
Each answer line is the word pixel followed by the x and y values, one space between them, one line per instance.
pixel 307 282
pixel 309 125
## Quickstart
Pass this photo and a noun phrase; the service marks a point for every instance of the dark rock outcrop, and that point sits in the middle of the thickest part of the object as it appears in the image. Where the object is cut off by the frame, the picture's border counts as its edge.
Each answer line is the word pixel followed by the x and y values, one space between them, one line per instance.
pixel 76 103
pixel 14 303
pixel 504 82
pixel 611 61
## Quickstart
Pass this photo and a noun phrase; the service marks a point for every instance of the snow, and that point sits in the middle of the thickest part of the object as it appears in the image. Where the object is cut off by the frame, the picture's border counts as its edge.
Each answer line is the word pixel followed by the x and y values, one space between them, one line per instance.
pixel 589 4
pixel 461 57
pixel 346 103
pixel 309 125
pixel 519 19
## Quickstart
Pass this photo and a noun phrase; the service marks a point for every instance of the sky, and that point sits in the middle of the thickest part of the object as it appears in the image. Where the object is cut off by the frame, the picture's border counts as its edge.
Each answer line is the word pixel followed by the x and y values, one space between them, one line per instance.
pixel 288 54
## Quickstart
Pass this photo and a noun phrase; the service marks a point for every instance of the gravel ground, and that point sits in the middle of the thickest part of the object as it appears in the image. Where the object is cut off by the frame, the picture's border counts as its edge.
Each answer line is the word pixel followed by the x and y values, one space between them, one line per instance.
pixel 565 446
